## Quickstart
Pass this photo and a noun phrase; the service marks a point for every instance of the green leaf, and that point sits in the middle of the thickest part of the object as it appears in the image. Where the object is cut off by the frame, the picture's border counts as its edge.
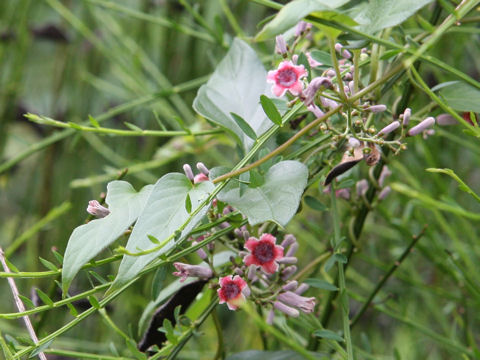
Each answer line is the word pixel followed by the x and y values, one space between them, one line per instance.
pixel 40 349
pixel 247 129
pixel 335 258
pixel 376 15
pixel 315 204
pixel 321 284
pixel 271 110
pixel 277 199
pixel 44 297
pixel 266 355
pixel 188 204
pixel 93 301
pixel 132 126
pixel 158 281
pixel 327 334
pixel 88 240
pixel 461 96
pixel 462 185
pixel 163 215
pixel 49 265
pixel 295 11
pixel 236 86
pixel 27 301
pixel 321 56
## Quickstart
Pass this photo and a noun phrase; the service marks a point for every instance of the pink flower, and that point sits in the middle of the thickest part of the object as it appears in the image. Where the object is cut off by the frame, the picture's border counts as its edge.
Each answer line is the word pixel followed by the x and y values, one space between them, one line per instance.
pixel 200 178
pixel 263 253
pixel 287 77
pixel 231 291
pixel 94 208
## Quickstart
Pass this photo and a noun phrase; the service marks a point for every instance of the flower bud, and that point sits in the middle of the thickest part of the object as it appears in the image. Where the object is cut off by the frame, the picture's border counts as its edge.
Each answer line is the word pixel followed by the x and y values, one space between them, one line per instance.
pixel 280 45
pixel 389 128
pixel 292 249
pixel 302 26
pixel 331 104
pixel 354 143
pixel 288 271
pixel 406 116
pixel 94 208
pixel 315 110
pixel 376 108
pixel 202 168
pixel 383 175
pixel 288 239
pixel 446 119
pixel 303 303
pixel 270 317
pixel 362 187
pixel 186 270
pixel 338 47
pixel 286 309
pixel 384 193
pixel 331 73
pixel 200 178
pixel 302 288
pixel 290 286
pixel 188 172
pixel 424 125
pixel 288 260
pixel 315 85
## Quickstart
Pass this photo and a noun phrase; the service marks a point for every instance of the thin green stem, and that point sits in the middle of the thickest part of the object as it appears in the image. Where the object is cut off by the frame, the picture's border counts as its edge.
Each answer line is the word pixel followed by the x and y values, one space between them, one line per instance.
pixel 333 55
pixel 218 327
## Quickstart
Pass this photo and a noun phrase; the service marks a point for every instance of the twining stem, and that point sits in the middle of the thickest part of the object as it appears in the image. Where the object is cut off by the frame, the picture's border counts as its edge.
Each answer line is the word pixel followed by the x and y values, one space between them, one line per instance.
pixel 20 305
pixel 279 149
pixel 218 327
pixel 341 275
pixel 387 275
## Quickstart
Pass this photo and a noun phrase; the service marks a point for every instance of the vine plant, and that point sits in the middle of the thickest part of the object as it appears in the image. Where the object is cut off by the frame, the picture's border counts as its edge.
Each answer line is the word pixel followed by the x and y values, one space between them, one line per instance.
pixel 333 63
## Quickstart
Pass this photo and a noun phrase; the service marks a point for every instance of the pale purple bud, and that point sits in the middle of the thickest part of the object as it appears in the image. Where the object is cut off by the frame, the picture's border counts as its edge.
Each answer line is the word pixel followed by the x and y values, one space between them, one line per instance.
pixel 346 54
pixel 211 246
pixel 200 252
pixel 302 288
pixel 424 125
pixel 332 104
pixel 94 208
pixel 306 304
pixel 389 128
pixel 246 291
pixel 243 253
pixel 352 69
pixel 362 187
pixel 348 76
pixel 428 133
pixel 238 233
pixel 294 59
pixel 186 270
pixel 287 260
pixel 202 168
pixel 354 143
pixel 446 119
pixel 338 47
pixel 315 110
pixel 383 175
pixel 343 194
pixel 302 26
pixel 224 225
pixel 311 61
pixel 290 286
pixel 406 117
pixel 288 239
pixel 286 309
pixel 351 86
pixel 252 272
pixel 270 317
pixel 346 89
pixel 188 172
pixel 280 45
pixel 246 235
pixel 238 271
pixel 292 249
pixel 331 73
pixel 384 193
pixel 376 108
pixel 288 271
pixel 315 85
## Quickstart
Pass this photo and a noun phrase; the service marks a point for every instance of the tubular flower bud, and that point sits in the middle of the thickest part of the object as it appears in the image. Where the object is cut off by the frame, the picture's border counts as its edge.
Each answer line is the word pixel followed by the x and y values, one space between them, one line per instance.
pixel 188 172
pixel 94 208
pixel 280 45
pixel 332 104
pixel 231 291
pixel 270 317
pixel 446 119
pixel 302 26
pixel 406 116
pixel 200 252
pixel 186 270
pixel 292 250
pixel 288 239
pixel 288 271
pixel 383 175
pixel 306 304
pixel 338 48
pixel 264 253
pixel 315 85
pixel 384 193
pixel 362 187
pixel 288 260
pixel 202 168
pixel 301 289
pixel 389 128
pixel 315 110
pixel 376 108
pixel 286 309
pixel 291 285
pixel 331 73
pixel 424 125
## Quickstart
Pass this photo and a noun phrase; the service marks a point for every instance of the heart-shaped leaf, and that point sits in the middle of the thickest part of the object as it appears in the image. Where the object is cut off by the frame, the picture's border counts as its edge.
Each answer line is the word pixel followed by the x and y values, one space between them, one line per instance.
pixel 87 241
pixel 235 87
pixel 461 96
pixel 163 216
pixel 277 199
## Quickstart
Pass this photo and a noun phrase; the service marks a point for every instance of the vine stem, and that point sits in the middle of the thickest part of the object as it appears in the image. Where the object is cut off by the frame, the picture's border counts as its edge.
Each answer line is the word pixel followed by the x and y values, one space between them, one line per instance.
pixel 279 149
pixel 389 273
pixel 20 305
pixel 341 275
pixel 218 328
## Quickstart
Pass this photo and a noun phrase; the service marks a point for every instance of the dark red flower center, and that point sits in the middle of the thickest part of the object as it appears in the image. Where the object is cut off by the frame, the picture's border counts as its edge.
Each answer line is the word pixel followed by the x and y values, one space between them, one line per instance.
pixel 286 77
pixel 230 290
pixel 264 252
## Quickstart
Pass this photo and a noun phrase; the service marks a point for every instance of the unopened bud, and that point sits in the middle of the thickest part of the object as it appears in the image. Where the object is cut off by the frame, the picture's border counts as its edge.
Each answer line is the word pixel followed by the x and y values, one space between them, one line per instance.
pixel 389 128
pixel 302 26
pixel 302 288
pixel 288 271
pixel 376 108
pixel 289 239
pixel 338 47
pixel 315 110
pixel 354 143
pixel 315 85
pixel 202 168
pixel 406 116
pixel 286 309
pixel 424 125
pixel 362 187
pixel 290 286
pixel 288 260
pixel 383 175
pixel 94 208
pixel 446 119
pixel 331 73
pixel 384 193
pixel 188 172
pixel 280 45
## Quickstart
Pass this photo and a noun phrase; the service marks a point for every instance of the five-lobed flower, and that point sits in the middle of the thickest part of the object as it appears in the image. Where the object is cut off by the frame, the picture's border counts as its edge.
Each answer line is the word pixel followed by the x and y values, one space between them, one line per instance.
pixel 232 289
pixel 287 77
pixel 263 253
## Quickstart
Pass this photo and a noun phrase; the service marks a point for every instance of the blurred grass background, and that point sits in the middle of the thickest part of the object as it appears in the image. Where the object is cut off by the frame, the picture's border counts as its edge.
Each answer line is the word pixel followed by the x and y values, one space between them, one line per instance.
pixel 71 59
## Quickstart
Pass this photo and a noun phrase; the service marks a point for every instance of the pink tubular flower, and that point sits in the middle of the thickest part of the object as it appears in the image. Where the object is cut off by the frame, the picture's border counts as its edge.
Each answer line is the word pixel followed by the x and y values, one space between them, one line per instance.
pixel 287 77
pixel 186 270
pixel 231 291
pixel 306 304
pixel 263 253
pixel 94 208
